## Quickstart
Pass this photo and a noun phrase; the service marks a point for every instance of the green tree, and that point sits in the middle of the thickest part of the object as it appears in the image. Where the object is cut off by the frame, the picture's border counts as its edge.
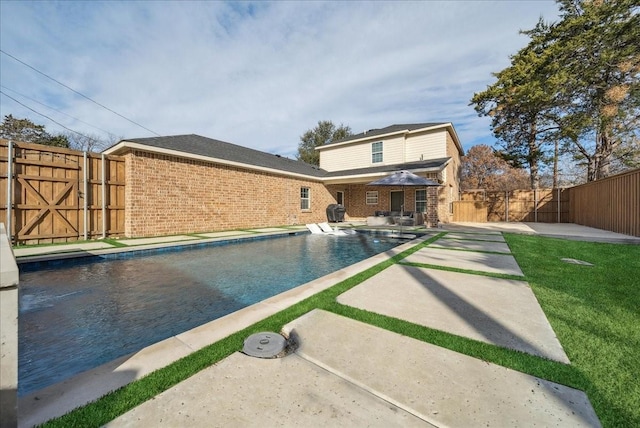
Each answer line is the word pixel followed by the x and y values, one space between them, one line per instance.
pixel 520 107
pixel 576 82
pixel 593 53
pixel 324 133
pixel 24 130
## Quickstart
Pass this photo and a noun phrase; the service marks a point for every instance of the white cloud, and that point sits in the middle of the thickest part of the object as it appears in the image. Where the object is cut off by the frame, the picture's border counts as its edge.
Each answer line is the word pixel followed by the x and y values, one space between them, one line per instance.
pixel 261 74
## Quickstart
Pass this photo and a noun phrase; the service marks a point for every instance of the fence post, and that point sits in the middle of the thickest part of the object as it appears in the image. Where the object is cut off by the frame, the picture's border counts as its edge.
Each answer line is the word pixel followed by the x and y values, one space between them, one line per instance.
pixel 535 205
pixel 9 190
pixel 86 188
pixel 104 198
pixel 558 192
pixel 506 205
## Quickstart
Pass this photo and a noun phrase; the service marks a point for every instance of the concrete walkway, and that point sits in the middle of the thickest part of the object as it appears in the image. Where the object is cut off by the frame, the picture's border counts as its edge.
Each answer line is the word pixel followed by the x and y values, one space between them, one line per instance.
pixel 553 230
pixel 348 373
pixel 345 372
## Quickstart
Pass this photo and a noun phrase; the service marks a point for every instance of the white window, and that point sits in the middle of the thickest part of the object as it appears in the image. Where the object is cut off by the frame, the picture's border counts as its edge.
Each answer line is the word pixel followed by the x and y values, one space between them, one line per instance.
pixel 305 198
pixel 421 201
pixel 372 198
pixel 376 152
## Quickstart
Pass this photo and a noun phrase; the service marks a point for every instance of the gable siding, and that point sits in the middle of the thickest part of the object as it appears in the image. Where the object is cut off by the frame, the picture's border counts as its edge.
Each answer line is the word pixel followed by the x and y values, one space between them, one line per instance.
pixel 427 145
pixel 451 178
pixel 358 155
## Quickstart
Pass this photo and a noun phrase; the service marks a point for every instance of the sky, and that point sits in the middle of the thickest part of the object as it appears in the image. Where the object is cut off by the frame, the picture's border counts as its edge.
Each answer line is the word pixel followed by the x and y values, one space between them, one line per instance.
pixel 256 74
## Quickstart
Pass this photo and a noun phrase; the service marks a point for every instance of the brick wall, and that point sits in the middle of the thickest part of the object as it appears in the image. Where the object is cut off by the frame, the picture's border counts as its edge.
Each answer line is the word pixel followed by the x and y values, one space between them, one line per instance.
pixel 355 197
pixel 168 195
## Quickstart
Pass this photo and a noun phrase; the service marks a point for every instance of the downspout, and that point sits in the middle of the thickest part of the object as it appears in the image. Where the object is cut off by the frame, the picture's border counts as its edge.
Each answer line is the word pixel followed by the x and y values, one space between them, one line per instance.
pixel 9 189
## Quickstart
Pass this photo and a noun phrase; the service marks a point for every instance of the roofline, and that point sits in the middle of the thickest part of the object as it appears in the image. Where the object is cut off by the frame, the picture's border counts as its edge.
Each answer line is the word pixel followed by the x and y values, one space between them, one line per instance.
pixel 447 125
pixel 369 176
pixel 125 145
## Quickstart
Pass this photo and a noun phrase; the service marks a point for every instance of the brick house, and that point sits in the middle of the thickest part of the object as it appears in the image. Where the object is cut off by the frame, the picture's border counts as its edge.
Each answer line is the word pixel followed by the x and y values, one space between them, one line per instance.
pixel 189 183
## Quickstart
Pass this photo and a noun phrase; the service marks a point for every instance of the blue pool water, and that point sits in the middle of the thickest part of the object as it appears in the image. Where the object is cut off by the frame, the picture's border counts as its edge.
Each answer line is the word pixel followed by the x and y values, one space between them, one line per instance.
pixel 76 315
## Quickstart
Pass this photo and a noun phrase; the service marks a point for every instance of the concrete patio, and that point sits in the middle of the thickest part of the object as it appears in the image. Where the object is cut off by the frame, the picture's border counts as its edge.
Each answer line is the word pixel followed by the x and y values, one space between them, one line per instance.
pixel 345 372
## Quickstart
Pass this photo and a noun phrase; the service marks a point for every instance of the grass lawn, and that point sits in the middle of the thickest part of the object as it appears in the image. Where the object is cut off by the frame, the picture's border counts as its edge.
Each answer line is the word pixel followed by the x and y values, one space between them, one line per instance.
pixel 593 310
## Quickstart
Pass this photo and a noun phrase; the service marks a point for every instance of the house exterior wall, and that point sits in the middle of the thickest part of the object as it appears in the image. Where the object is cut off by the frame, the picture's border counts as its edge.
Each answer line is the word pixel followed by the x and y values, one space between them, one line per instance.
pixel 431 144
pixel 450 192
pixel 358 155
pixel 426 145
pixel 167 195
pixel 357 207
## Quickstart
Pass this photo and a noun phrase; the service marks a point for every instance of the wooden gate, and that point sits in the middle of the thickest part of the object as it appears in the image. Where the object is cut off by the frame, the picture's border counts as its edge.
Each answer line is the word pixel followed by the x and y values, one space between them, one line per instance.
pixel 60 195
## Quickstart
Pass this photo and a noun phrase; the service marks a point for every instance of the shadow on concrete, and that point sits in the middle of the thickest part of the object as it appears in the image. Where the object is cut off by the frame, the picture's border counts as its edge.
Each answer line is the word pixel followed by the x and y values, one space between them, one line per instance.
pixel 486 325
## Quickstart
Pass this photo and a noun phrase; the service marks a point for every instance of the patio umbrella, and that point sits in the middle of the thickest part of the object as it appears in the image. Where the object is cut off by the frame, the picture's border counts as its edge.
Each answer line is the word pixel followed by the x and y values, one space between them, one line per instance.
pixel 403 178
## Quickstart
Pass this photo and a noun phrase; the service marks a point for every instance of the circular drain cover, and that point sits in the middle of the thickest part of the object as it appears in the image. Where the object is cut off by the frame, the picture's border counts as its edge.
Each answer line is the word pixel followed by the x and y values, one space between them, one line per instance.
pixel 264 345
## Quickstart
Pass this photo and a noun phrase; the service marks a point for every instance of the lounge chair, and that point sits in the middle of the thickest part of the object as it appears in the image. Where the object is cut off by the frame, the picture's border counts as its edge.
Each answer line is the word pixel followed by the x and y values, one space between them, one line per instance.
pixel 314 229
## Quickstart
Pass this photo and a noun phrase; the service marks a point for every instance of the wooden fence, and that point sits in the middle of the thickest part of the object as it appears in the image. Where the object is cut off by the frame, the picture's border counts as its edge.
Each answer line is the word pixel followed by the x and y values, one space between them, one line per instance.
pixel 541 205
pixel 611 204
pixel 50 194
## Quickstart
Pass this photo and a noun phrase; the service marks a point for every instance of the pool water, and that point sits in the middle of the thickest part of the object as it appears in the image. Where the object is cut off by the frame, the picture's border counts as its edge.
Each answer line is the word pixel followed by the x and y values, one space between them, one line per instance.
pixel 76 315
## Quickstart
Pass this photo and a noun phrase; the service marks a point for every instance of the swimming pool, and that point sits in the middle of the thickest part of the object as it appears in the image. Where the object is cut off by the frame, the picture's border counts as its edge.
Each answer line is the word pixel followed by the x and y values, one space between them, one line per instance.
pixel 78 314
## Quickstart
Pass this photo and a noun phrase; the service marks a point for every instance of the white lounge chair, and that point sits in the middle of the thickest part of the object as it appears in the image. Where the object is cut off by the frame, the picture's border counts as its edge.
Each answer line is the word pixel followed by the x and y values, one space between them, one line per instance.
pixel 314 229
pixel 327 229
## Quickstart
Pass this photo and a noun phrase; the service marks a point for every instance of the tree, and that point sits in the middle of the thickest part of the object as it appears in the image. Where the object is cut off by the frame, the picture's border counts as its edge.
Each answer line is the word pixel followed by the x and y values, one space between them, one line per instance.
pixel 324 133
pixel 26 131
pixel 576 82
pixel 90 142
pixel 521 111
pixel 482 168
pixel 594 56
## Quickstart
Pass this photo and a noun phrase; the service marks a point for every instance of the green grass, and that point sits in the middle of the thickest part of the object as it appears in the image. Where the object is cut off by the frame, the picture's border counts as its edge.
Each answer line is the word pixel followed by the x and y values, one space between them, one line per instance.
pixel 594 311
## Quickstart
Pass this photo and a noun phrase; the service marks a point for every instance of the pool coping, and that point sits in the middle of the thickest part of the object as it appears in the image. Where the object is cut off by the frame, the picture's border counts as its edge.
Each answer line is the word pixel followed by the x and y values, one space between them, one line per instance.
pixel 60 398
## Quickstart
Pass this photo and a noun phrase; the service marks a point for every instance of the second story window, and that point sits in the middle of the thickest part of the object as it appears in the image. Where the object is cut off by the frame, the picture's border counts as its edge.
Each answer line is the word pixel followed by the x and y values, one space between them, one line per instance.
pixel 376 152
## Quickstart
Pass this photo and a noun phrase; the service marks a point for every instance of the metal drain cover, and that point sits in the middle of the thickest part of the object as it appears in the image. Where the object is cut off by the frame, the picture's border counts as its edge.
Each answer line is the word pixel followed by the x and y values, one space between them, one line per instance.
pixel 264 345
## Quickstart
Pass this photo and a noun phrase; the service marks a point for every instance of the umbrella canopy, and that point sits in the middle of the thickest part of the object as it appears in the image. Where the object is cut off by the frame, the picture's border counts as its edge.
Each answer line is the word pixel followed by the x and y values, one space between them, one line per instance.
pixel 403 178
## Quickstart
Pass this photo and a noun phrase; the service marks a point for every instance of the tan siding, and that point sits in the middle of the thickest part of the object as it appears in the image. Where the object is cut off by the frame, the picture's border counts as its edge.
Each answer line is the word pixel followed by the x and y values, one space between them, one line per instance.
pixel 345 157
pixel 449 193
pixel 358 155
pixel 428 145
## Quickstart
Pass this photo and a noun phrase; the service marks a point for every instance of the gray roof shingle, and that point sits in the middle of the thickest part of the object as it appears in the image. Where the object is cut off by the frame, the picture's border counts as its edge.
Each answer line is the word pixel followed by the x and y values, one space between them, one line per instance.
pixel 203 146
pixel 388 130
pixel 208 147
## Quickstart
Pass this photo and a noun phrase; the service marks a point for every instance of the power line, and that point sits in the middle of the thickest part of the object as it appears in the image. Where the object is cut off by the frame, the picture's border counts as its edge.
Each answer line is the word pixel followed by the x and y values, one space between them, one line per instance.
pixel 78 93
pixel 55 109
pixel 43 115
